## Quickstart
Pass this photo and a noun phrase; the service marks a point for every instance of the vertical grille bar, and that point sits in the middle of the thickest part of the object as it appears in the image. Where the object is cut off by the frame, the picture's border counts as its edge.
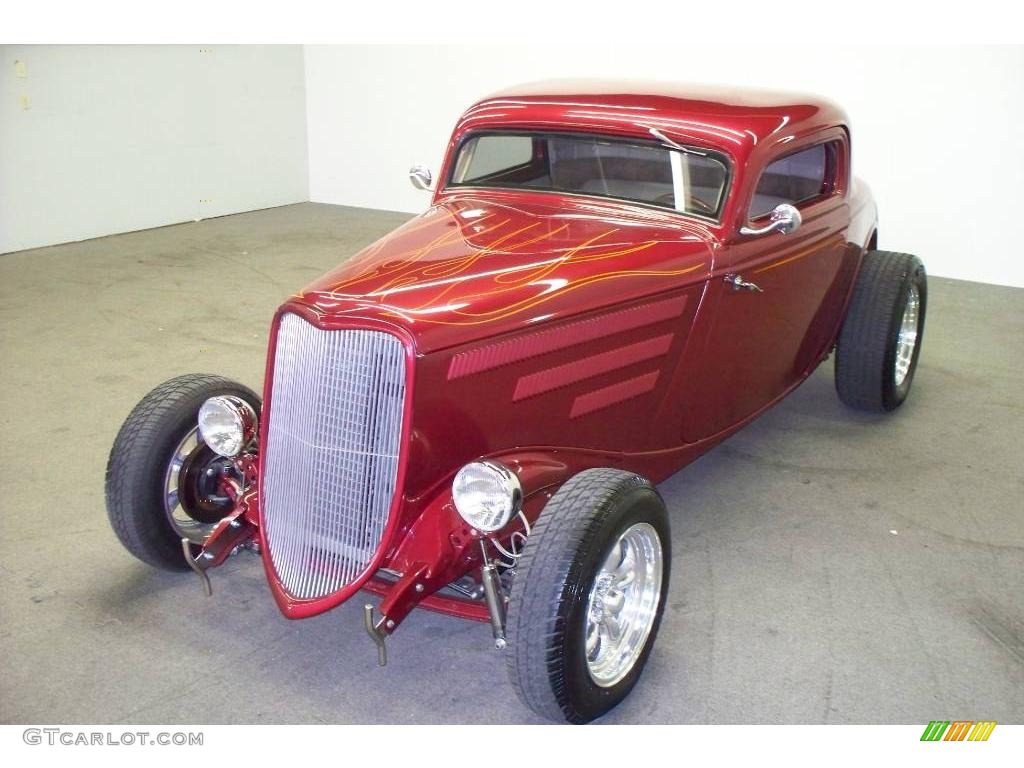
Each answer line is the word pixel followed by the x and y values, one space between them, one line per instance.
pixel 331 463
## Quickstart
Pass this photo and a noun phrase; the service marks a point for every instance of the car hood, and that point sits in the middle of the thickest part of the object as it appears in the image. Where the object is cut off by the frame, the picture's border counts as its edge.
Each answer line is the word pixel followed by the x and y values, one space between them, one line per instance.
pixel 481 265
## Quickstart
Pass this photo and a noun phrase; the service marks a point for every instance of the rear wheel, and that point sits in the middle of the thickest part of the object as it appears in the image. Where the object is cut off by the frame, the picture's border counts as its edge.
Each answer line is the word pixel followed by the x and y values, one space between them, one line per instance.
pixel 162 481
pixel 880 341
pixel 588 595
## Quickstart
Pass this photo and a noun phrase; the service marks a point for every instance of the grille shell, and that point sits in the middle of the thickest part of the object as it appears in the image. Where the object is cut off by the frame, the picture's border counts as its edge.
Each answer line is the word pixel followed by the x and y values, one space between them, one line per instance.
pixel 331 453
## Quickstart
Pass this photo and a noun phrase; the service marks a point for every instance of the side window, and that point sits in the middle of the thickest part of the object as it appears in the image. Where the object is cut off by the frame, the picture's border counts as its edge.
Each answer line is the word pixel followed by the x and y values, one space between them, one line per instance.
pixel 795 179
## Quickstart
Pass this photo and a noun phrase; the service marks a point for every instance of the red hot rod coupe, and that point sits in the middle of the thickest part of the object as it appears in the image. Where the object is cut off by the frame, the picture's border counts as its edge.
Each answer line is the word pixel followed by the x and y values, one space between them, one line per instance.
pixel 470 414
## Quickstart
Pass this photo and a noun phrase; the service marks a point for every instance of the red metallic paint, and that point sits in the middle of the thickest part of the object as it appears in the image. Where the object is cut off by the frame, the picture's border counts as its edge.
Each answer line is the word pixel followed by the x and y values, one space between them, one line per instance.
pixel 615 359
pixel 523 346
pixel 478 265
pixel 463 608
pixel 558 332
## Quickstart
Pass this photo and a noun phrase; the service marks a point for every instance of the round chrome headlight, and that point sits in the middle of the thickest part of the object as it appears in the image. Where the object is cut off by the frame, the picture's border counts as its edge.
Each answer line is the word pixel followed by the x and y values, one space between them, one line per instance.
pixel 227 424
pixel 487 495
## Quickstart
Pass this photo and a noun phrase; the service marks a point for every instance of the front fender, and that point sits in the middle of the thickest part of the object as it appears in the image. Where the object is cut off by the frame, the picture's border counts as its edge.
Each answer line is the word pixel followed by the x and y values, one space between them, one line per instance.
pixel 439 547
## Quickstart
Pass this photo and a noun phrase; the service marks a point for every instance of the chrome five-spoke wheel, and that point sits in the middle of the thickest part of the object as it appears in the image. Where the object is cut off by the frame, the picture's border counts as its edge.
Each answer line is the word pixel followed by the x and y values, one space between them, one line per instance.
pixel 623 604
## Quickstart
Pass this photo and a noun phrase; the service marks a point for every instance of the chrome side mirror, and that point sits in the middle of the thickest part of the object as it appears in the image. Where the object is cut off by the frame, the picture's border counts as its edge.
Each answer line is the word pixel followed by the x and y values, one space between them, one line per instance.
pixel 421 177
pixel 785 219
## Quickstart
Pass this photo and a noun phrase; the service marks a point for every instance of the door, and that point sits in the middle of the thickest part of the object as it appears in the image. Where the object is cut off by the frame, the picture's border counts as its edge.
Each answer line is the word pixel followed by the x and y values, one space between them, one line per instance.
pixel 779 297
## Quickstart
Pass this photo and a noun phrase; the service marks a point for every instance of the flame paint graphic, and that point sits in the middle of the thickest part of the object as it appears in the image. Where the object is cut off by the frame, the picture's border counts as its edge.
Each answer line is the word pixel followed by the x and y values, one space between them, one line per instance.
pixel 421 283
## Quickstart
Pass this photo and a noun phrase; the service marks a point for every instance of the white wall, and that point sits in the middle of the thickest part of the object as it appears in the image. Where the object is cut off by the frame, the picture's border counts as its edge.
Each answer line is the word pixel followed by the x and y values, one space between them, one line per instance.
pixel 119 138
pixel 936 131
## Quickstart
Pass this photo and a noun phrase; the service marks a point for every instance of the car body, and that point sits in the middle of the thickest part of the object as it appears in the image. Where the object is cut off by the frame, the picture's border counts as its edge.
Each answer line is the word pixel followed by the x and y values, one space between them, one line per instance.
pixel 497 341
pixel 628 317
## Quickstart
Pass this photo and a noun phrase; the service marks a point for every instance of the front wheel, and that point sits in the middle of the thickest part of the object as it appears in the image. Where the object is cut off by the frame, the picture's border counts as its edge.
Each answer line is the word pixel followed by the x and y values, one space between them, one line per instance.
pixel 162 482
pixel 588 595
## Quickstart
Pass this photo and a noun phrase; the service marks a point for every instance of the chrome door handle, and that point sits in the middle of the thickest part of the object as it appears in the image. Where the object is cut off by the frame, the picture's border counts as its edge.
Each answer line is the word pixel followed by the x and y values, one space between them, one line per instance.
pixel 739 284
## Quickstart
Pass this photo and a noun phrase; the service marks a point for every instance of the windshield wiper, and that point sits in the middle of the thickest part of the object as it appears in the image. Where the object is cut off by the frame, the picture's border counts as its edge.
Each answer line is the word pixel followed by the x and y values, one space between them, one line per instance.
pixel 668 142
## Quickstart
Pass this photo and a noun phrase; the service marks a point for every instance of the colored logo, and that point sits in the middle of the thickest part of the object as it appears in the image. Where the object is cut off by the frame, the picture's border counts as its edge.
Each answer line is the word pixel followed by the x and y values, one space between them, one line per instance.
pixel 958 730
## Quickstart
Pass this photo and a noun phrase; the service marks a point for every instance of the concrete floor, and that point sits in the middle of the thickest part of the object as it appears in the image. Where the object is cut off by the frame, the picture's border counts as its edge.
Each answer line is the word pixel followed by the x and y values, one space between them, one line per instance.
pixel 829 567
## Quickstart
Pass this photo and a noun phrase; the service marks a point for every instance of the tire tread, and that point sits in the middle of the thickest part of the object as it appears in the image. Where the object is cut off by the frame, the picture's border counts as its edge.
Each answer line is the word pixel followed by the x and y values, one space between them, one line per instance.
pixel 865 339
pixel 570 523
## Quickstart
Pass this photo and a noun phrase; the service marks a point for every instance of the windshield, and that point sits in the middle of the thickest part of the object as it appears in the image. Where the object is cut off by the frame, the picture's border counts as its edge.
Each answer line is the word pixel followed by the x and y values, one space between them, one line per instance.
pixel 692 182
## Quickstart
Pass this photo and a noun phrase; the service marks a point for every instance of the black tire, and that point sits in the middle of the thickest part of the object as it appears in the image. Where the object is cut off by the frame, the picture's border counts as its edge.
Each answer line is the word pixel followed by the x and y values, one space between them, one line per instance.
pixel 866 351
pixel 546 623
pixel 139 458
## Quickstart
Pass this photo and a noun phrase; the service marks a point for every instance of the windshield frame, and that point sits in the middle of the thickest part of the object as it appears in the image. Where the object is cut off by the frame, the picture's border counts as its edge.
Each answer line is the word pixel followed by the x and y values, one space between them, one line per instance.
pixel 715 154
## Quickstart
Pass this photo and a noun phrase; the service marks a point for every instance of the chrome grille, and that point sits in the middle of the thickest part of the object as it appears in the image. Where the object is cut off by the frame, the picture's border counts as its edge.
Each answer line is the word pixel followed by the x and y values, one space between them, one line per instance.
pixel 332 452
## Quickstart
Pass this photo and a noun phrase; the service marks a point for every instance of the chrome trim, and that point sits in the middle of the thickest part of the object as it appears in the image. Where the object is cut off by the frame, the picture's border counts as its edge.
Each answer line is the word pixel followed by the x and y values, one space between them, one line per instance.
pixel 494 596
pixel 785 218
pixel 245 414
pixel 510 484
pixel 739 284
pixel 421 177
pixel 332 453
